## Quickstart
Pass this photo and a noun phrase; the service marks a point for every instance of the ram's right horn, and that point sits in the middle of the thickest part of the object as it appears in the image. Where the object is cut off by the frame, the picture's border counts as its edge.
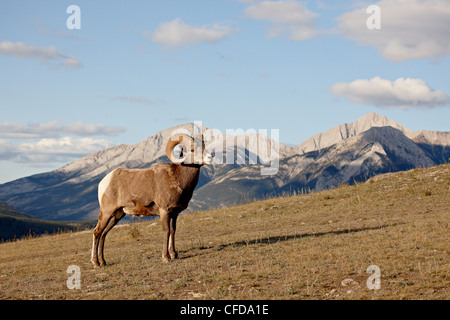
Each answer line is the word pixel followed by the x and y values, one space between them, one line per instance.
pixel 186 142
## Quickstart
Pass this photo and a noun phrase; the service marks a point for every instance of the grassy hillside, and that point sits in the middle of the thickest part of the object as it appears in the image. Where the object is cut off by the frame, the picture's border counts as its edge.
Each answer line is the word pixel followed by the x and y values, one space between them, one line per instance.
pixel 15 224
pixel 7 210
pixel 315 246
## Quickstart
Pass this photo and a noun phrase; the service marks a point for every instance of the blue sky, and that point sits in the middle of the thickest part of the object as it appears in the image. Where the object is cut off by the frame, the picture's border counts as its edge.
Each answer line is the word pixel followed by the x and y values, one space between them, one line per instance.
pixel 138 67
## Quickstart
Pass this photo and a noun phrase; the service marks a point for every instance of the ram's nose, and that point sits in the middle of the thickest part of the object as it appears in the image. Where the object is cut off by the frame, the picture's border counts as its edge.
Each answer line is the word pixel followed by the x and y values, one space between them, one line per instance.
pixel 207 158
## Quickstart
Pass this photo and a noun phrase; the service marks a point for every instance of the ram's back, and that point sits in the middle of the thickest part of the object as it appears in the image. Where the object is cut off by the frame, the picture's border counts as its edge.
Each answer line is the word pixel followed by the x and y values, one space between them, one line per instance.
pixel 155 184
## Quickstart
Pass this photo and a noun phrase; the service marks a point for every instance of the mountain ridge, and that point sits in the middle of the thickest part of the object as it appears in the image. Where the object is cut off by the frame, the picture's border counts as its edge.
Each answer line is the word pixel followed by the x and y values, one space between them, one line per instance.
pixel 347 130
pixel 15 224
pixel 346 153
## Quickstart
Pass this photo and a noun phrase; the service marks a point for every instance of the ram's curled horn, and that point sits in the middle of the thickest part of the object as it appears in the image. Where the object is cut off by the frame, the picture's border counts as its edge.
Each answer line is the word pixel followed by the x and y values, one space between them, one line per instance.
pixel 182 139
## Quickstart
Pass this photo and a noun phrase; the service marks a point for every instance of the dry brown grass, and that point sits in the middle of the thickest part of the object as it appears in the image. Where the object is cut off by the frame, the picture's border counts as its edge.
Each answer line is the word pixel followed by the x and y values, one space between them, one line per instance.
pixel 299 247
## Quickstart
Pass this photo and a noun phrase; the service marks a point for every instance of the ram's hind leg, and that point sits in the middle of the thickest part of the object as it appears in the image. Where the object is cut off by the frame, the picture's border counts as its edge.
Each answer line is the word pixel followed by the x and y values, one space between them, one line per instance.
pixel 119 214
pixel 101 225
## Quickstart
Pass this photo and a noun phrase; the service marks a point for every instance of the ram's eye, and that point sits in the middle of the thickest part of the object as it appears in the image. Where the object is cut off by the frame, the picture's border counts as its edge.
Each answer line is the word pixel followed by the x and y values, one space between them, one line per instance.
pixel 178 151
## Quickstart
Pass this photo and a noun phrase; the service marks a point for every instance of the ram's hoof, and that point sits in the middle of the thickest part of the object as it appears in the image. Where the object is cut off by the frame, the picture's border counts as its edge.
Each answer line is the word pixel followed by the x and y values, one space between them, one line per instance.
pixel 95 263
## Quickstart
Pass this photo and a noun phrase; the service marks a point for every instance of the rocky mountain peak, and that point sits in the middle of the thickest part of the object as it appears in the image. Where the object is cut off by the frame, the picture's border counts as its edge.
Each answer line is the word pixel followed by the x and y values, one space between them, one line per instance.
pixel 347 130
pixel 350 152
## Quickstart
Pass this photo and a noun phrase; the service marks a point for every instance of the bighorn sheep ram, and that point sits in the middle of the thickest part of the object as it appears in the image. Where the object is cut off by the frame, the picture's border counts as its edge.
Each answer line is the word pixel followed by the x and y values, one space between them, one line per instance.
pixel 164 189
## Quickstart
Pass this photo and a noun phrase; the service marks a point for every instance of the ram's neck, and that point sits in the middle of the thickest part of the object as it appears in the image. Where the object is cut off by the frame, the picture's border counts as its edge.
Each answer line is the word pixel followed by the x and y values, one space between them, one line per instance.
pixel 188 175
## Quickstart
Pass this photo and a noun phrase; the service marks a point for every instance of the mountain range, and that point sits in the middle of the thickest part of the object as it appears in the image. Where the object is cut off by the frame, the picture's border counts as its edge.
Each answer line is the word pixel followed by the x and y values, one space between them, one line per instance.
pixel 16 225
pixel 345 154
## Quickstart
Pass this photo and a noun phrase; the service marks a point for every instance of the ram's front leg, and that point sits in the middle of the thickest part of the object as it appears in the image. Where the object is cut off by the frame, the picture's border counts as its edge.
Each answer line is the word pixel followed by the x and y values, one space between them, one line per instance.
pixel 173 228
pixel 165 221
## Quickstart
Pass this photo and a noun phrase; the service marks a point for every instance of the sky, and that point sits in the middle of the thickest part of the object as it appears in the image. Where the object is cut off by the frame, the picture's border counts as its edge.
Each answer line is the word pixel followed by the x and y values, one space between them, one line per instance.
pixel 77 80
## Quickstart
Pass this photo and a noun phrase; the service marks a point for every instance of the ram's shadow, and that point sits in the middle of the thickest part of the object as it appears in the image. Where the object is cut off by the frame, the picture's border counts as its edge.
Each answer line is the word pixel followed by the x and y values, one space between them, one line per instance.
pixel 277 239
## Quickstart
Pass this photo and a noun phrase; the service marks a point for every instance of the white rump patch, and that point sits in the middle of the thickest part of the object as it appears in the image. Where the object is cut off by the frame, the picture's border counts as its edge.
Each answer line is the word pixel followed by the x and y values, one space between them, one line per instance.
pixel 103 185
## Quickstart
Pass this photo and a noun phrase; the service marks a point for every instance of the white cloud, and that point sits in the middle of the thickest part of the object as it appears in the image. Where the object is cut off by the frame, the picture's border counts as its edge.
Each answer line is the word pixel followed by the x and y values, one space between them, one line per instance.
pixel 65 146
pixel 44 143
pixel 46 55
pixel 289 19
pixel 410 29
pixel 401 93
pixel 7 150
pixel 71 62
pixel 176 33
pixel 49 150
pixel 55 129
pixel 34 130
